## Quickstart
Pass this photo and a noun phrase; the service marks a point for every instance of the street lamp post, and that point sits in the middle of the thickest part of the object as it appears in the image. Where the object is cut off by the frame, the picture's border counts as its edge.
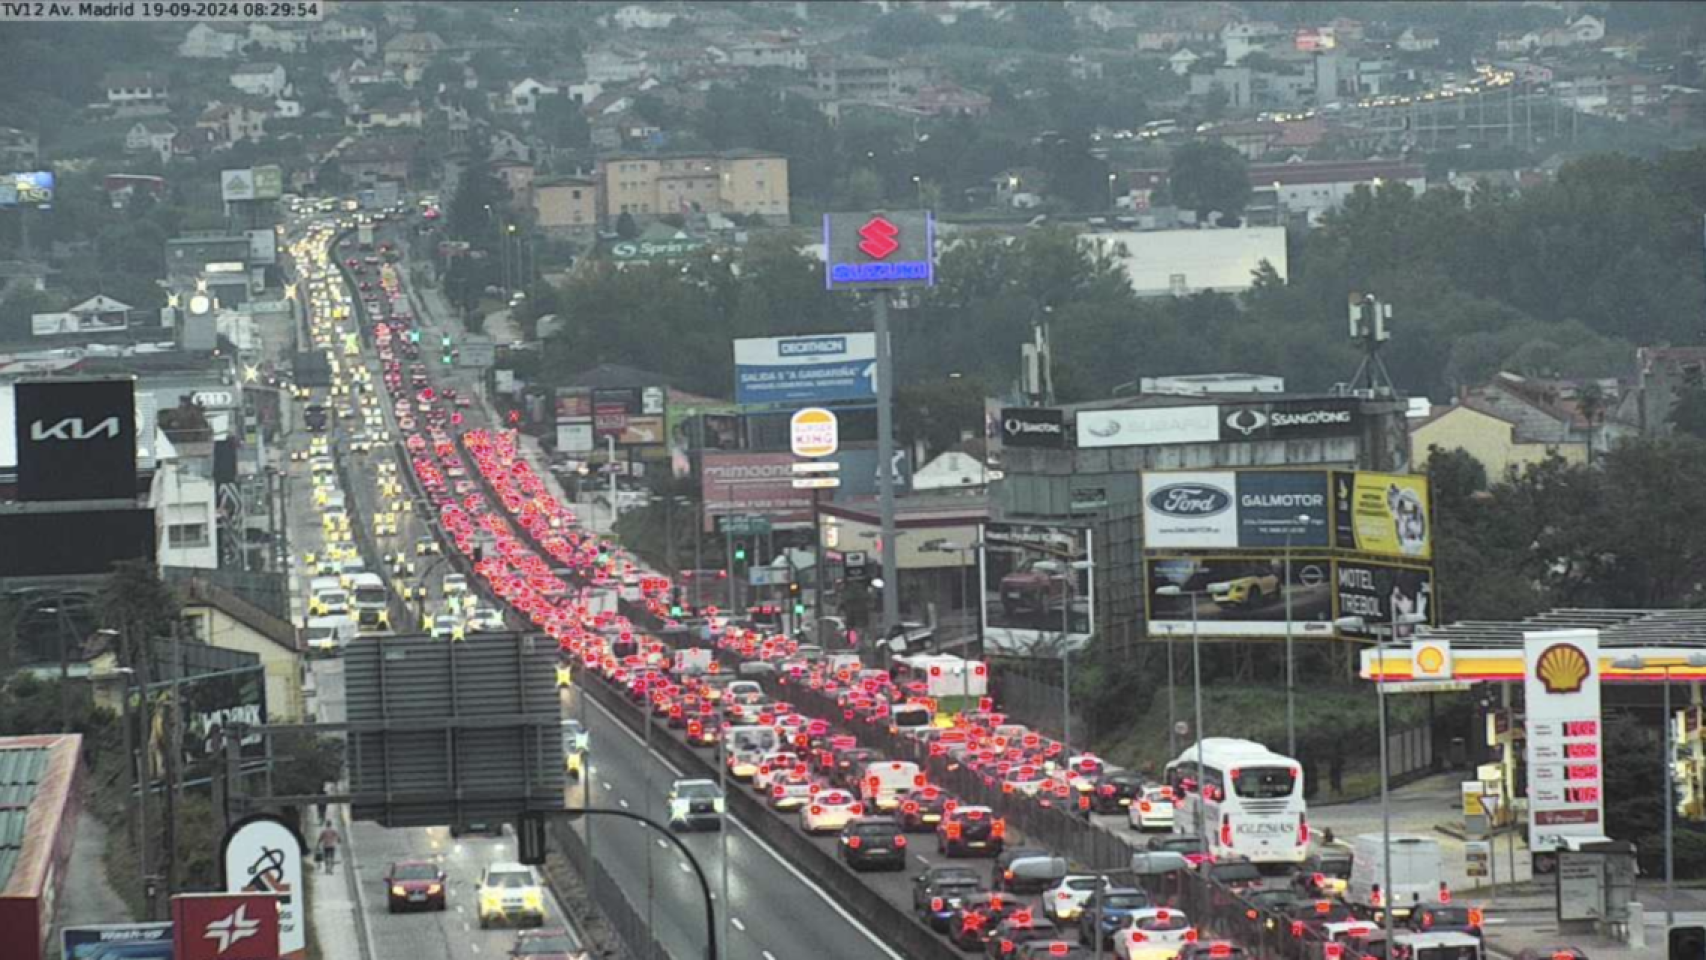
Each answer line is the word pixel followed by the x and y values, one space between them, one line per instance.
pixel 1669 761
pixel 1066 647
pixel 1391 629
pixel 1196 684
pixel 1290 660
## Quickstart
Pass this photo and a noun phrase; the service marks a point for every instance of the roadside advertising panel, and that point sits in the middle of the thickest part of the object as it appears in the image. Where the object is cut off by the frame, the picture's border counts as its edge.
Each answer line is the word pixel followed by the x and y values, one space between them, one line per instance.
pixel 1031 588
pixel 1290 420
pixel 869 251
pixel 235 185
pixel 211 702
pixel 640 431
pixel 573 403
pixel 1246 509
pixel 814 432
pixel 117 941
pixel 226 926
pixel 30 189
pixel 807 369
pixel 1031 427
pixel 611 408
pixel 76 439
pixel 574 436
pixel 1148 426
pixel 1383 513
pixel 1377 591
pixel 760 484
pixel 1562 723
pixel 269 182
pixel 1240 596
pixel 262 854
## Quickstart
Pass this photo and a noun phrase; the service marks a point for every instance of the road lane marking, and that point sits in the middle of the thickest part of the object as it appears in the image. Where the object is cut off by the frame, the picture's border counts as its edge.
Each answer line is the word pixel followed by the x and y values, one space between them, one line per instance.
pixel 607 785
pixel 769 956
pixel 735 922
pixel 467 927
pixel 922 860
pixel 662 845
pixel 806 881
pixel 622 803
pixel 684 867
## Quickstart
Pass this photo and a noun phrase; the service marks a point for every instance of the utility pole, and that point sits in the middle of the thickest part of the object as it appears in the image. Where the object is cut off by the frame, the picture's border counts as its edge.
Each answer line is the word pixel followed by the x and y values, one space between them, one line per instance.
pixel 173 735
pixel 885 461
pixel 817 571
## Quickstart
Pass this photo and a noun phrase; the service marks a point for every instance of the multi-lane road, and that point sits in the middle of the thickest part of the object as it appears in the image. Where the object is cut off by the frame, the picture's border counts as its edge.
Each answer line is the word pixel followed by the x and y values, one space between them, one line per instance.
pixel 775 912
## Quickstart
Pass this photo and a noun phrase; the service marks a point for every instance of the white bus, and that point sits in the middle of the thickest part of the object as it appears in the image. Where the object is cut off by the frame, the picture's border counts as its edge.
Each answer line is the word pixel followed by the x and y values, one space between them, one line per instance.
pixel 1250 798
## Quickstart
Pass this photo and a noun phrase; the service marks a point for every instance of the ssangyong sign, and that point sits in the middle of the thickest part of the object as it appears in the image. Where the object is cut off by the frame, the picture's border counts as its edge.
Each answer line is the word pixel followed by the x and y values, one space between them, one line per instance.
pixel 1033 427
pixel 1289 420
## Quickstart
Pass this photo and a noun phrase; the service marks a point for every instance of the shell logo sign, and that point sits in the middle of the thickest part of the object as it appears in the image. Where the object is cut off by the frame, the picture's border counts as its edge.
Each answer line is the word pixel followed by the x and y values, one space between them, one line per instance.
pixel 1430 659
pixel 1562 668
pixel 814 432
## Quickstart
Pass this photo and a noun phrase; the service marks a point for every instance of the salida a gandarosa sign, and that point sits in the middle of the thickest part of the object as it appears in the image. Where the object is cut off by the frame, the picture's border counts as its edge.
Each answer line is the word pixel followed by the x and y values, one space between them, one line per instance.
pixel 674 248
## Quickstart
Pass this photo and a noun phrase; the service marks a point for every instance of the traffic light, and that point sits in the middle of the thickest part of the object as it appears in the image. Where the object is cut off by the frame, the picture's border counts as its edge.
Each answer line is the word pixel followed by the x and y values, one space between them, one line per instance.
pixel 414 336
pixel 740 554
pixel 445 341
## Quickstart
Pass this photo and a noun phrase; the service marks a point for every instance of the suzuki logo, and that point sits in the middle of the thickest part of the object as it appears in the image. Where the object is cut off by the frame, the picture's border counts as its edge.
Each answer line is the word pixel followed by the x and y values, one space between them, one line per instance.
pixel 72 428
pixel 232 929
pixel 877 238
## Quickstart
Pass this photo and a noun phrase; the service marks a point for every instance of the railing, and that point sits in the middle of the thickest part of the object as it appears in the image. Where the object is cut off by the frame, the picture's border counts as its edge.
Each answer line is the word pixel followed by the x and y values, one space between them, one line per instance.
pixel 628 922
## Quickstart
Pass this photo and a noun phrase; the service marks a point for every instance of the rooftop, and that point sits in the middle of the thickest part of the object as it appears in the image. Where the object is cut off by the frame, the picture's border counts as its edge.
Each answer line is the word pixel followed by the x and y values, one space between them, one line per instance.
pixel 32 769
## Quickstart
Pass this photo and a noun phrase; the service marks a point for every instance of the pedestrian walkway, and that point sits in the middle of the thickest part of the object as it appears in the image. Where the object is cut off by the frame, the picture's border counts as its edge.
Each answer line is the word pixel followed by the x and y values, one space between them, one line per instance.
pixel 86 873
pixel 1527 921
pixel 333 904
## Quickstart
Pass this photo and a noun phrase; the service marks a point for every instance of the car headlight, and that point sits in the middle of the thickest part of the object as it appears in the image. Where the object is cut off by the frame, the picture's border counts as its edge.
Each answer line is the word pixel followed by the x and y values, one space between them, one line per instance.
pixel 489 900
pixel 398 891
pixel 717 804
pixel 533 900
pixel 678 808
pixel 433 889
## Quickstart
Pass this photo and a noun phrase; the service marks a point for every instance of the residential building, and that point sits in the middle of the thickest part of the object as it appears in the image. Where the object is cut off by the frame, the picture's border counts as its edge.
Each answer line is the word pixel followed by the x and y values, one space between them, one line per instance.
pixel 359 35
pixel 946 100
pixel 220 618
pixel 1231 82
pixel 1181 61
pixel 857 76
pixel 285 108
pixel 185 513
pixel 1417 40
pixel 135 87
pixel 151 136
pixel 260 79
pixel 1178 263
pixel 407 51
pixel 227 123
pixel 1308 190
pixel 374 158
pixel 212 41
pixel 392 112
pixel 275 39
pixel 749 182
pixel 566 206
pixel 1664 372
pixel 524 96
pixel 1488 436
pixel 608 66
pixel 517 178
pixel 769 50
pixel 19 149
pixel 1551 411
pixel 1239 40
pixel 644 16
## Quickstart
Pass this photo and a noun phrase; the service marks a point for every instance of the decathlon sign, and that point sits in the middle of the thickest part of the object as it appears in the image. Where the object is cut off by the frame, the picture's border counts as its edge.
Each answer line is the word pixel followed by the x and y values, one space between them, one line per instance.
pixel 813 369
pixel 866 251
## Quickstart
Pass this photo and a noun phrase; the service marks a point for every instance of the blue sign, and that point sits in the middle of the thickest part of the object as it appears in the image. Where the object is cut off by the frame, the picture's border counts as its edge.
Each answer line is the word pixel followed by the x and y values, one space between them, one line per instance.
pixel 117 941
pixel 1280 508
pixel 865 251
pixel 33 189
pixel 806 370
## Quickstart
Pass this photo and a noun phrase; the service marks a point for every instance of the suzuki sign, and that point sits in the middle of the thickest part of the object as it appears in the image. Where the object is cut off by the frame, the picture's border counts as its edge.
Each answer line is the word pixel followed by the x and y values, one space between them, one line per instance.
pixel 869 251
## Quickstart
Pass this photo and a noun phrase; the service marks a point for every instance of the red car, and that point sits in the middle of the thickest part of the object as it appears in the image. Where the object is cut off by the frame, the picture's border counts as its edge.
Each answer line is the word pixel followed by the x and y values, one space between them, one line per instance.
pixel 414 885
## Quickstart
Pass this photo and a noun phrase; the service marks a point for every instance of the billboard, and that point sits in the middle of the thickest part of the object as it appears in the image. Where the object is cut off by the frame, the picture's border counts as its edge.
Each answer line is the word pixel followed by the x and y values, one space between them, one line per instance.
pixel 806 369
pixel 76 439
pixel 646 251
pixel 1383 513
pixel 117 941
pixel 1377 591
pixel 73 543
pixel 1562 724
pixel 269 182
pixel 235 185
pixel 1148 426
pixel 31 189
pixel 226 926
pixel 872 251
pixel 263 248
pixel 262 854
pixel 1032 427
pixel 611 408
pixel 573 403
pixel 1290 420
pixel 1035 602
pixel 574 436
pixel 1244 509
pixel 1240 596
pixel 640 432
pixel 211 703
pixel 760 484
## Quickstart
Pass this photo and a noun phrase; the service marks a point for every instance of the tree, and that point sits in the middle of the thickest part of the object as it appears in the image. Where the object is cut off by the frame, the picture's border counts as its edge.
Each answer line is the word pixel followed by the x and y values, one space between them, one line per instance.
pixel 1688 410
pixel 1207 177
pixel 626 228
pixel 16 310
pixel 560 121
pixel 938 411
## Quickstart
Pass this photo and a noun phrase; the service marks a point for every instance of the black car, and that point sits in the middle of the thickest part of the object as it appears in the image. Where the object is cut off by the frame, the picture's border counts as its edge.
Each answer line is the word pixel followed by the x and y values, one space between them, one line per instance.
pixel 1115 792
pixel 1052 950
pixel 939 892
pixel 848 764
pixel 1444 918
pixel 922 809
pixel 1321 874
pixel 1187 845
pixel 873 842
pixel 1024 926
pixel 969 830
pixel 971 926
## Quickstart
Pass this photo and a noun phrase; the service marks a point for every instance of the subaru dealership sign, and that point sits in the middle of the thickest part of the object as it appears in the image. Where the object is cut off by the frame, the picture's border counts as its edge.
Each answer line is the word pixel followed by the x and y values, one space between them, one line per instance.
pixel 809 369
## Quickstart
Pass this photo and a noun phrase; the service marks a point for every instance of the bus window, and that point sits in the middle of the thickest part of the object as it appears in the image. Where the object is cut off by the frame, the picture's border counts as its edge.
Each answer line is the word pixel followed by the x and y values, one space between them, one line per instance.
pixel 1264 783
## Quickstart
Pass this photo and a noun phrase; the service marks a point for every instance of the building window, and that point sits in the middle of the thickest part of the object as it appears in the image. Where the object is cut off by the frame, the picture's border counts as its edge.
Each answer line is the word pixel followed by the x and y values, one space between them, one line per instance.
pixel 185 535
pixel 575 193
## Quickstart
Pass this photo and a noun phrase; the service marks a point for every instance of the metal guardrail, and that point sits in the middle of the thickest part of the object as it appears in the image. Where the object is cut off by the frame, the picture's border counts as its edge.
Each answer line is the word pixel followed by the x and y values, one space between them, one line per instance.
pixel 607 897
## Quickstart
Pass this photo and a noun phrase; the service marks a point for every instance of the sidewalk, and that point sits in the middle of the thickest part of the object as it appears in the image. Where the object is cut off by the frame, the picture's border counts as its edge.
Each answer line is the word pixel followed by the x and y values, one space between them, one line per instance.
pixel 333 904
pixel 86 873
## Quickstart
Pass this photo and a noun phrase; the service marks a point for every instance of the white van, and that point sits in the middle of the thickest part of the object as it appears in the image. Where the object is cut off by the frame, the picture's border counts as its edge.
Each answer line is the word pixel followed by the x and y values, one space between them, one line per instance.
pixel 1418 875
pixel 885 780
pixel 327 636
pixel 372 603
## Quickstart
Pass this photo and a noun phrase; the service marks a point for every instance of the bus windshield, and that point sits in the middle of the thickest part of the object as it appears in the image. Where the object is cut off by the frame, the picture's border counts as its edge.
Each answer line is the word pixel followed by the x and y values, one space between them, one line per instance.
pixel 1263 783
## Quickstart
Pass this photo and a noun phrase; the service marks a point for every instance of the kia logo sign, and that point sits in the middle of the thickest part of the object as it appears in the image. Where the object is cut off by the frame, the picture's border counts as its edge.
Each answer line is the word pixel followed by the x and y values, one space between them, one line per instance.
pixel 73 428
pixel 1190 500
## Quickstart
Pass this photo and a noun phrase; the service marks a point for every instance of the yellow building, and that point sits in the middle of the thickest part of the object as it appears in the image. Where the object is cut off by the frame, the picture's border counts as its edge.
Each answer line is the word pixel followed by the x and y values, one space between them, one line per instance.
pixel 566 205
pixel 220 618
pixel 1488 437
pixel 746 182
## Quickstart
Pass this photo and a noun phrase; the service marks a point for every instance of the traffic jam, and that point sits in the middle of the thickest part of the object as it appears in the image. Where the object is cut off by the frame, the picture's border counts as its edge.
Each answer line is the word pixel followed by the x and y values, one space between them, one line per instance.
pixel 911 768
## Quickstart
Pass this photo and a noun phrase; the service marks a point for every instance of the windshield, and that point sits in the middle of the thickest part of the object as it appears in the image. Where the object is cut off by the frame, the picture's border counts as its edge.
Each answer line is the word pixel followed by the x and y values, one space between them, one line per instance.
pixel 1171 921
pixel 546 945
pixel 1125 901
pixel 370 595
pixel 1442 952
pixel 509 879
pixel 1263 783
pixel 415 871
pixel 691 790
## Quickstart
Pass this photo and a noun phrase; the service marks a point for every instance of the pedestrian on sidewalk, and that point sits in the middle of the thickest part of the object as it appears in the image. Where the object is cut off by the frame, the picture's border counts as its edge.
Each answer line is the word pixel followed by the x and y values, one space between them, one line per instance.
pixel 328 846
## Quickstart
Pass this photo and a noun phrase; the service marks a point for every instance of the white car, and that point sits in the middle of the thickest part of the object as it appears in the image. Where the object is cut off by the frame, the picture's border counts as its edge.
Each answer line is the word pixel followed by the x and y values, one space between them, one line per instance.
pixel 446 627
pixel 511 892
pixel 694 804
pixel 1025 781
pixel 1064 901
pixel 454 585
pixel 1157 926
pixel 829 811
pixel 790 790
pixel 775 763
pixel 1153 809
pixel 486 620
